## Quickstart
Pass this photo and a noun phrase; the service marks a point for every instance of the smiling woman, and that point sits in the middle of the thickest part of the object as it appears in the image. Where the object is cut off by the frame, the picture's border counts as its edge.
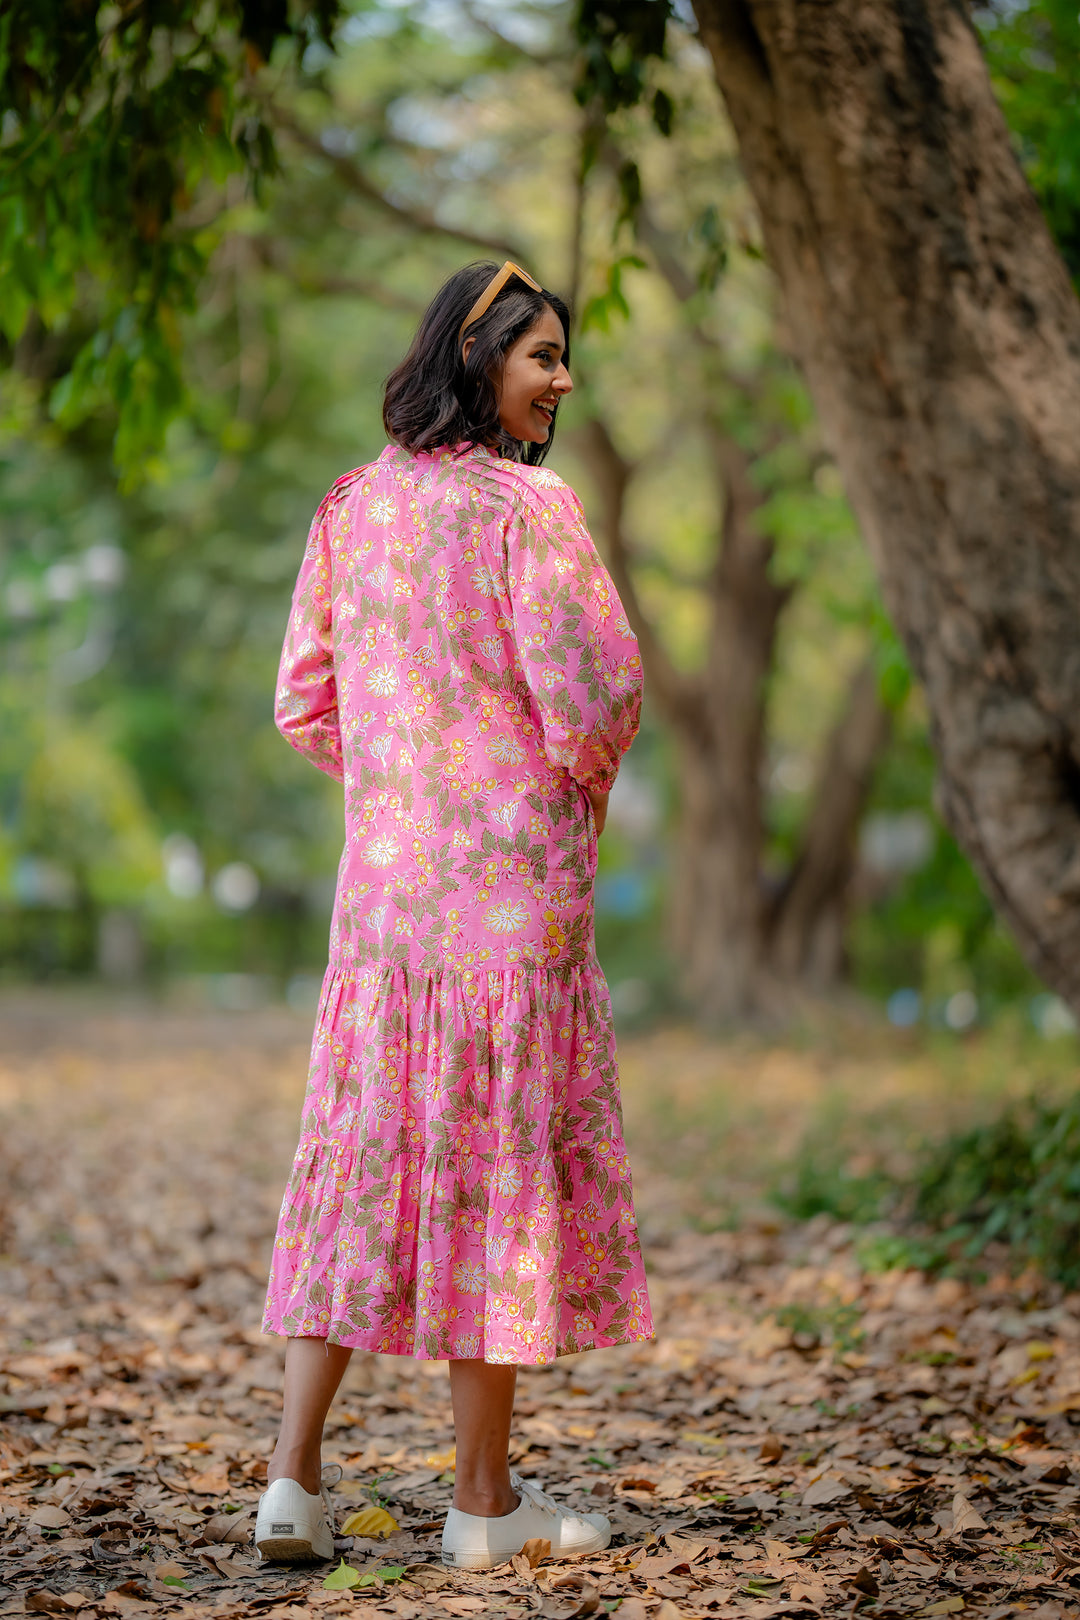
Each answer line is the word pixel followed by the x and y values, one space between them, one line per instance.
pixel 484 370
pixel 457 656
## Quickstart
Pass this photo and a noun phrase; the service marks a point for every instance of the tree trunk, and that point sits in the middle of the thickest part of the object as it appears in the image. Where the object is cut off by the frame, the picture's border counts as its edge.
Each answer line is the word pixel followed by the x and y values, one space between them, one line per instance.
pixel 809 916
pixel 741 950
pixel 940 337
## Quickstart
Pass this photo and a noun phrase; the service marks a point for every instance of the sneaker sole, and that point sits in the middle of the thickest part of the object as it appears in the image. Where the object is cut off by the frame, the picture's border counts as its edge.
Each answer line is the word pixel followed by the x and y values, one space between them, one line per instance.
pixel 289 1550
pixel 487 1560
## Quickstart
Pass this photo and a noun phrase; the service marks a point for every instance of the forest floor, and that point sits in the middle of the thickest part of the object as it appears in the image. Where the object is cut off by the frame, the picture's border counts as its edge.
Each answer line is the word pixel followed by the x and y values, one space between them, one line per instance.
pixel 804 1435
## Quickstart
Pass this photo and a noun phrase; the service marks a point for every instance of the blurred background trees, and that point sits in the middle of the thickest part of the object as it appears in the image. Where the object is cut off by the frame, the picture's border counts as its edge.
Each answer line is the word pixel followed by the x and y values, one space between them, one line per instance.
pixel 184 376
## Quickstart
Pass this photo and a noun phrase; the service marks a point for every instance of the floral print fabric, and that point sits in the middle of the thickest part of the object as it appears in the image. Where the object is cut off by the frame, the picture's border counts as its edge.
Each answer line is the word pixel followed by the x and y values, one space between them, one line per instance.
pixel 457 656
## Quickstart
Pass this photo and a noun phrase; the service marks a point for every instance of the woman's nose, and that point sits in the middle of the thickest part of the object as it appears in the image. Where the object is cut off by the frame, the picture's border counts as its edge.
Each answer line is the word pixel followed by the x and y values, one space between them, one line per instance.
pixel 561 381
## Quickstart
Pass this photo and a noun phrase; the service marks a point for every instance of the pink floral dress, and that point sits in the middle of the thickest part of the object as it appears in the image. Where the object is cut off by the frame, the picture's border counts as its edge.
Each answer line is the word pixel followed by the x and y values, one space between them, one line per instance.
pixel 457 656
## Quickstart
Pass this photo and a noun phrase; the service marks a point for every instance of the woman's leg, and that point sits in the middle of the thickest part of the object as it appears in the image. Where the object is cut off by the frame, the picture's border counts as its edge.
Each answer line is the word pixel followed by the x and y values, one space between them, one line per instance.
pixel 483 1400
pixel 313 1371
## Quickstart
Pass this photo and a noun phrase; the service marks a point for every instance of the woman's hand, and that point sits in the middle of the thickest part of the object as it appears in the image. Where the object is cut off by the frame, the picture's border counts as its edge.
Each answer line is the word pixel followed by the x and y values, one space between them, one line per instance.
pixel 599 802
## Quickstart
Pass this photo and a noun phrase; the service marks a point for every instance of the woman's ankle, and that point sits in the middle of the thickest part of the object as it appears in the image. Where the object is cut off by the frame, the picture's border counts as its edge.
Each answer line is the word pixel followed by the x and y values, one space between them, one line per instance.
pixel 485 1501
pixel 306 1470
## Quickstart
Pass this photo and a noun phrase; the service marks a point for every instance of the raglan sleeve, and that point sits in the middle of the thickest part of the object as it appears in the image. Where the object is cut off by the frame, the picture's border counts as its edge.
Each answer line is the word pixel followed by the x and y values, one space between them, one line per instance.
pixel 579 655
pixel 306 708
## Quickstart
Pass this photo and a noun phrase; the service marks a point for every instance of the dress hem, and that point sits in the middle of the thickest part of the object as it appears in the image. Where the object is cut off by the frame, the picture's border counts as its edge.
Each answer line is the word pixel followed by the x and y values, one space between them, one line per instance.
pixel 366 1341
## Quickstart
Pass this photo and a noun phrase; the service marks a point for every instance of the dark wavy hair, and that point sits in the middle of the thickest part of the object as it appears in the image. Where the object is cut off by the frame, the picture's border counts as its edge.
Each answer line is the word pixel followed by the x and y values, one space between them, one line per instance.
pixel 435 398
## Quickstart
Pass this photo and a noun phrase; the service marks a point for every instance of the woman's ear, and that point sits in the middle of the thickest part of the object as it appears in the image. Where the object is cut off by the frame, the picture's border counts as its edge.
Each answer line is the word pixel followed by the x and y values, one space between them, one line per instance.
pixel 466 349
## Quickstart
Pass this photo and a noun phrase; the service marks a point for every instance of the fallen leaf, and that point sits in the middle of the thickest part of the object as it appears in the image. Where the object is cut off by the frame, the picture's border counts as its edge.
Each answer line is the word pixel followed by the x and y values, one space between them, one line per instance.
pixel 825 1490
pixel 442 1460
pixel 229 1526
pixel 772 1448
pixel 804 1591
pixel 534 1550
pixel 50 1517
pixel 341 1579
pixel 212 1482
pixel 568 1596
pixel 170 1571
pixel 949 1605
pixel 45 1602
pixel 780 1549
pixel 965 1517
pixel 370 1521
pixel 864 1581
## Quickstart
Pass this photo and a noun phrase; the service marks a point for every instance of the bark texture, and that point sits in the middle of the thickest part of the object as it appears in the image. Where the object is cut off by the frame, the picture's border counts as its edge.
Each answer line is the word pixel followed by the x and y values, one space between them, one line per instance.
pixel 940 337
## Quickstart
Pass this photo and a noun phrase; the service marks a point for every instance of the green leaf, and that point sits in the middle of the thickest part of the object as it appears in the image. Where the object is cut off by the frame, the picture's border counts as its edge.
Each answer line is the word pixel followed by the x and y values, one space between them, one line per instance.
pixel 343 1578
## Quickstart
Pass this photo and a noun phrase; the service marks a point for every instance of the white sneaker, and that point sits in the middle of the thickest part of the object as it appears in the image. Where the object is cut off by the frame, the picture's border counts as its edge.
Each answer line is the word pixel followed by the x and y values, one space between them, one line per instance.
pixel 294 1526
pixel 472 1542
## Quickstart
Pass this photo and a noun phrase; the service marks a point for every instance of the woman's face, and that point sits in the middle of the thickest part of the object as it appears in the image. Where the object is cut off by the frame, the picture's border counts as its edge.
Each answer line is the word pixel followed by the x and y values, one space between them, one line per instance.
pixel 534 379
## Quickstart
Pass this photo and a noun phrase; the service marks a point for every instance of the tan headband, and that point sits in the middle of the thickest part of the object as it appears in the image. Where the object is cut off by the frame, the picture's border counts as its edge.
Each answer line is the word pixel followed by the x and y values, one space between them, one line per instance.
pixel 492 291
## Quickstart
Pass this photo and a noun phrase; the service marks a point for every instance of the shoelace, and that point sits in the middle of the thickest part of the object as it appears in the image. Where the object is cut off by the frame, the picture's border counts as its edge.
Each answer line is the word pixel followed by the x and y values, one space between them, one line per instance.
pixel 534 1495
pixel 331 1475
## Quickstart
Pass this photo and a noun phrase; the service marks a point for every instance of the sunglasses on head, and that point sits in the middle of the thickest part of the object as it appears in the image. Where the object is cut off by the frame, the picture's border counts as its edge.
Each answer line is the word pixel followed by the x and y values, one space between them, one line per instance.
pixel 492 291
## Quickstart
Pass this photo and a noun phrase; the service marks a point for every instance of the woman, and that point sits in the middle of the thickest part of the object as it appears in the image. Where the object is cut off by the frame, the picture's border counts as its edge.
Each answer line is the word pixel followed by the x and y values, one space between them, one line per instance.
pixel 458 658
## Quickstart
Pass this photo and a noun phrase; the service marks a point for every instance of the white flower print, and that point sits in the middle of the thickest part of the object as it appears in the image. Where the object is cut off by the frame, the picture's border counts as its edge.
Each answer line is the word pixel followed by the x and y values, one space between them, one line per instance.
pixel 505 814
pixel 490 646
pixel 467 1346
pixel 425 658
pixel 506 750
pixel 483 582
pixel 382 510
pixel 382 851
pixel 543 478
pixel 382 680
pixel 496 1247
pixel 508 1180
pixel 508 917
pixel 381 746
pixel 468 1277
pixel 352 1015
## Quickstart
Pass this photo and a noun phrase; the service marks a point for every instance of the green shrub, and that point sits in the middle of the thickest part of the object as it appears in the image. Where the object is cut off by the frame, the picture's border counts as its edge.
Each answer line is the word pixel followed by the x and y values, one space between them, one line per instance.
pixel 820 1181
pixel 1015 1180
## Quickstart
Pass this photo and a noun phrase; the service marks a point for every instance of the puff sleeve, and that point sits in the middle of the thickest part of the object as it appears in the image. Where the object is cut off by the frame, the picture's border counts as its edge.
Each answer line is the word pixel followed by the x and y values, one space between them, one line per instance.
pixel 579 655
pixel 306 709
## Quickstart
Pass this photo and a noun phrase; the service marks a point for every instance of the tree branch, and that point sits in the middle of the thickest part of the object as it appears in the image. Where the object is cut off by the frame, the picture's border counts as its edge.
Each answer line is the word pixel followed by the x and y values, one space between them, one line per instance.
pixel 352 175
pixel 822 869
pixel 269 253
pixel 677 694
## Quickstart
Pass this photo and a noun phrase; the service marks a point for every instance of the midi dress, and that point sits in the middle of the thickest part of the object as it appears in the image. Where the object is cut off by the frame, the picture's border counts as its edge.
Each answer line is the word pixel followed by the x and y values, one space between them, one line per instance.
pixel 457 657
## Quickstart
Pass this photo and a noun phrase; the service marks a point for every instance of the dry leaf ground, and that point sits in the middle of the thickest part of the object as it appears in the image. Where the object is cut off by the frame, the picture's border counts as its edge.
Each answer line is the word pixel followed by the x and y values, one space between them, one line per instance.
pixel 925 1461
